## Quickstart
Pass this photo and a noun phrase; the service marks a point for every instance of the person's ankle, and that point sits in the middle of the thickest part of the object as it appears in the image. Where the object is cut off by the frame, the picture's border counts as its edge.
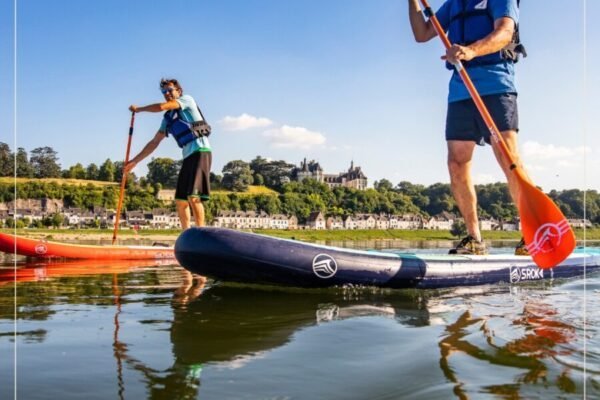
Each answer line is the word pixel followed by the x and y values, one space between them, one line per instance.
pixel 476 237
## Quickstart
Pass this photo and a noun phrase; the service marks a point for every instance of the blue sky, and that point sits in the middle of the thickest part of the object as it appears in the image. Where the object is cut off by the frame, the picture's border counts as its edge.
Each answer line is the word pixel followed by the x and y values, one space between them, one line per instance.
pixel 330 80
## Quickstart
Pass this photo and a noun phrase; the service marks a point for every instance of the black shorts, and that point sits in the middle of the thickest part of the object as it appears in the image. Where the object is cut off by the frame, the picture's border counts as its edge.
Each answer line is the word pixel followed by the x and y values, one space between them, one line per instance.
pixel 194 177
pixel 463 121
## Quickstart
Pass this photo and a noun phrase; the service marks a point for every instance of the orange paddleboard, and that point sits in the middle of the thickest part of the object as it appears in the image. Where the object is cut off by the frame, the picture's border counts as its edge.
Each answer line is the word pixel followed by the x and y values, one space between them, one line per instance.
pixel 40 248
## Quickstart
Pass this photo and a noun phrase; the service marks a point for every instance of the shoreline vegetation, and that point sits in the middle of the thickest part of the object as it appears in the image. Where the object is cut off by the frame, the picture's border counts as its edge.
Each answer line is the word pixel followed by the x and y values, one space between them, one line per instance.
pixel 302 235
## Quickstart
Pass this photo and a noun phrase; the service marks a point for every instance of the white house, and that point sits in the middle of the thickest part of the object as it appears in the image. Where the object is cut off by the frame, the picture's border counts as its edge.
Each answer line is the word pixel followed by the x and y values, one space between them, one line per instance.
pixel 334 223
pixel 316 220
pixel 349 222
pixel 365 221
pixel 382 222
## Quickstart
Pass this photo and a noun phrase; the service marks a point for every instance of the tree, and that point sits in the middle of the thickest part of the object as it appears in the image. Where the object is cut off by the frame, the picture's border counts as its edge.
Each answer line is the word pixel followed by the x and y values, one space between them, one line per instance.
pixel 76 172
pixel 383 185
pixel 55 220
pixel 91 172
pixel 6 160
pixel 459 229
pixel 24 167
pixel 163 171
pixel 234 202
pixel 440 199
pixel 403 204
pixel 107 171
pixel 268 203
pixel 45 163
pixel 237 176
pixel 494 200
pixel 258 179
pixel 274 173
pixel 110 196
pixel 131 178
pixel 214 178
pixel 294 204
pixel 415 193
pixel 248 203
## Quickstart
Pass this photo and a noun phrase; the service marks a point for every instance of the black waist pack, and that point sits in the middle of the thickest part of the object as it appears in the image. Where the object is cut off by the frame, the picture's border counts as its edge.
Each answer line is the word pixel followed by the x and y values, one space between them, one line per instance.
pixel 201 128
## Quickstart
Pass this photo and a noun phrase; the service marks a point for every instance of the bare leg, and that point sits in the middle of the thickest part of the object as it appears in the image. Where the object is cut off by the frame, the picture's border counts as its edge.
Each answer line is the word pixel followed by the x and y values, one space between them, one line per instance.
pixel 510 137
pixel 460 154
pixel 197 209
pixel 183 210
pixel 188 291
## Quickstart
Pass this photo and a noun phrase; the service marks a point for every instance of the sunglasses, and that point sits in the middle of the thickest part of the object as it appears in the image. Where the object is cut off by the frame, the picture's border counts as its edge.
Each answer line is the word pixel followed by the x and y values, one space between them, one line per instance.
pixel 167 90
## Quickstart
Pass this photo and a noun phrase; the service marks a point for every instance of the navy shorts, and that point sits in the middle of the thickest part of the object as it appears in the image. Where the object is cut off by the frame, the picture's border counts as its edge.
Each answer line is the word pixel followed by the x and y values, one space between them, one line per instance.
pixel 463 121
pixel 194 177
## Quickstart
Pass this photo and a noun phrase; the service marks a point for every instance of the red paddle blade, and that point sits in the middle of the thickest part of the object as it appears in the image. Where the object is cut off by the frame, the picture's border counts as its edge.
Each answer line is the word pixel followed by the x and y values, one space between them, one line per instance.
pixel 547 233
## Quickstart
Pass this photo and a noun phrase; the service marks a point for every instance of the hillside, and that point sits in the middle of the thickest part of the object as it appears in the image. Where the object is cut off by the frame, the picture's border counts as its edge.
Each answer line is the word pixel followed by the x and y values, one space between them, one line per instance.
pixel 60 181
pixel 252 190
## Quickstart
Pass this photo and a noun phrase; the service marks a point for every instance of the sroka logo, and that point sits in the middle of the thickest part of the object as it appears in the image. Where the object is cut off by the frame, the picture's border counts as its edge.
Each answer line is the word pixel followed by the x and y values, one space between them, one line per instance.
pixel 40 248
pixel 519 274
pixel 547 237
pixel 324 266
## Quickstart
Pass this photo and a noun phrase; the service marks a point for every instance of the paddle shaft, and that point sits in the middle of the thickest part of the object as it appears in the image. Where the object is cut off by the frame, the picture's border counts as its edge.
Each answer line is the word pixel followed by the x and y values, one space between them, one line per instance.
pixel 491 125
pixel 123 180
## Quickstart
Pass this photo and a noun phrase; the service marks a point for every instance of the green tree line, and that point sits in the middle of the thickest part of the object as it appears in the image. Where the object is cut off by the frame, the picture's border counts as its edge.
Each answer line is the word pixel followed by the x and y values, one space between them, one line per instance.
pixel 302 198
pixel 293 198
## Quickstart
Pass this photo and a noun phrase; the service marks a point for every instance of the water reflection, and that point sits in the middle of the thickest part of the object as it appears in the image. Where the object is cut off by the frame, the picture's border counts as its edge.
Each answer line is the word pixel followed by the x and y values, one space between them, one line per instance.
pixel 37 270
pixel 232 326
pixel 527 352
pixel 173 335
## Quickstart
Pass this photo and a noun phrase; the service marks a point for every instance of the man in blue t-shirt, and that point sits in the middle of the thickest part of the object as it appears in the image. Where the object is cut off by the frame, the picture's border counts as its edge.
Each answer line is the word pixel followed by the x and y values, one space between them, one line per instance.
pixel 182 120
pixel 482 33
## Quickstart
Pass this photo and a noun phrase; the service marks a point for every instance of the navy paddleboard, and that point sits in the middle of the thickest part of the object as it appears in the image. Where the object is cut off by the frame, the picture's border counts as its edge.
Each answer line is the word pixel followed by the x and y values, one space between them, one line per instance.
pixel 236 256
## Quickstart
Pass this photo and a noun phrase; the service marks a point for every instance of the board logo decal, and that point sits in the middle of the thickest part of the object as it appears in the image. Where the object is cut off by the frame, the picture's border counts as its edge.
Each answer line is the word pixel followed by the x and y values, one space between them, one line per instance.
pixel 520 274
pixel 324 266
pixel 481 6
pixel 40 248
pixel 547 237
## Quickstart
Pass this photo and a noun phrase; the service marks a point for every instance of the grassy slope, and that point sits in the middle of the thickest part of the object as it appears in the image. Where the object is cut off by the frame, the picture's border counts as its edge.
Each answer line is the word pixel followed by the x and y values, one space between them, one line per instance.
pixel 60 181
pixel 252 190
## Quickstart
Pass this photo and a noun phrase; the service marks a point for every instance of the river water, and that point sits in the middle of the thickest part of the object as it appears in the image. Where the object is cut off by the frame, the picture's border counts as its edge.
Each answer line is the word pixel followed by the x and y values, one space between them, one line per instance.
pixel 129 330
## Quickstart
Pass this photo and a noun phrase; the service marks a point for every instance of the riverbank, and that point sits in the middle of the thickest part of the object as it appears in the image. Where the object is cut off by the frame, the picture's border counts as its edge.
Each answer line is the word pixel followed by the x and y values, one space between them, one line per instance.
pixel 304 235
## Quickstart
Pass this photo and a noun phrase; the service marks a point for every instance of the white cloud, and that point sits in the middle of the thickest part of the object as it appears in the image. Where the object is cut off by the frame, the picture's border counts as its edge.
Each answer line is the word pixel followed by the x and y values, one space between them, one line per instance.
pixel 482 179
pixel 294 136
pixel 244 122
pixel 535 167
pixel 549 158
pixel 538 151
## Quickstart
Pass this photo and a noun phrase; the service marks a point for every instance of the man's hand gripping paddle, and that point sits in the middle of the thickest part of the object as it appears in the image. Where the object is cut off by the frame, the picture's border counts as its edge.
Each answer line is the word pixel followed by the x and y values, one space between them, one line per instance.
pixel 547 233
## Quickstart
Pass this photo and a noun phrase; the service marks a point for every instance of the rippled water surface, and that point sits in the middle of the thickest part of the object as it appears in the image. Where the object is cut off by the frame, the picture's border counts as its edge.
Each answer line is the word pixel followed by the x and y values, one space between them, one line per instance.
pixel 133 331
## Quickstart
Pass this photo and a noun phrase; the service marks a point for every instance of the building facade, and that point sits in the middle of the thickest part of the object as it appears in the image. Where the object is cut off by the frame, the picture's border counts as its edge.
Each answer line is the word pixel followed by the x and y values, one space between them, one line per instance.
pixel 352 178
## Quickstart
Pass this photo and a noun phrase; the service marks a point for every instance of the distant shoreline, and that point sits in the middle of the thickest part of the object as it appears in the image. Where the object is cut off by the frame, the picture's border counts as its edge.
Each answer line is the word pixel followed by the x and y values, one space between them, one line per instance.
pixel 304 235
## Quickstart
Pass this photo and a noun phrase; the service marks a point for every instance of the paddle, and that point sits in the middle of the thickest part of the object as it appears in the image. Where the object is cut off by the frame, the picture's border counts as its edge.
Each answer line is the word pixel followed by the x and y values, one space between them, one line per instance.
pixel 123 180
pixel 547 233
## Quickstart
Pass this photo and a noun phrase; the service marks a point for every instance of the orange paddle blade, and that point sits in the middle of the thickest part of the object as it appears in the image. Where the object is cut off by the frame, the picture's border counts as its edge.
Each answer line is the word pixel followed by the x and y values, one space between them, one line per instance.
pixel 547 233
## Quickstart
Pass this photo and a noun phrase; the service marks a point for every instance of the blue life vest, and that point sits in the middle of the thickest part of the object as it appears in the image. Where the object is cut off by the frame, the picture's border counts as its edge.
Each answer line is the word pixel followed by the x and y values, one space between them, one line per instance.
pixel 469 24
pixel 184 132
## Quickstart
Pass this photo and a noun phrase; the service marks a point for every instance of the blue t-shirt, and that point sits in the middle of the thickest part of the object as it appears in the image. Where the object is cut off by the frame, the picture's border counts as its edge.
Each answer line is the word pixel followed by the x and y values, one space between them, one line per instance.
pixel 190 113
pixel 491 78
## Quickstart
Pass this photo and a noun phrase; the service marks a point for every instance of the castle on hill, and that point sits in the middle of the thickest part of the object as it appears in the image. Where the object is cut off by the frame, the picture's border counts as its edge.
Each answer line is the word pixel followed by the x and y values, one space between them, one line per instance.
pixel 352 178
